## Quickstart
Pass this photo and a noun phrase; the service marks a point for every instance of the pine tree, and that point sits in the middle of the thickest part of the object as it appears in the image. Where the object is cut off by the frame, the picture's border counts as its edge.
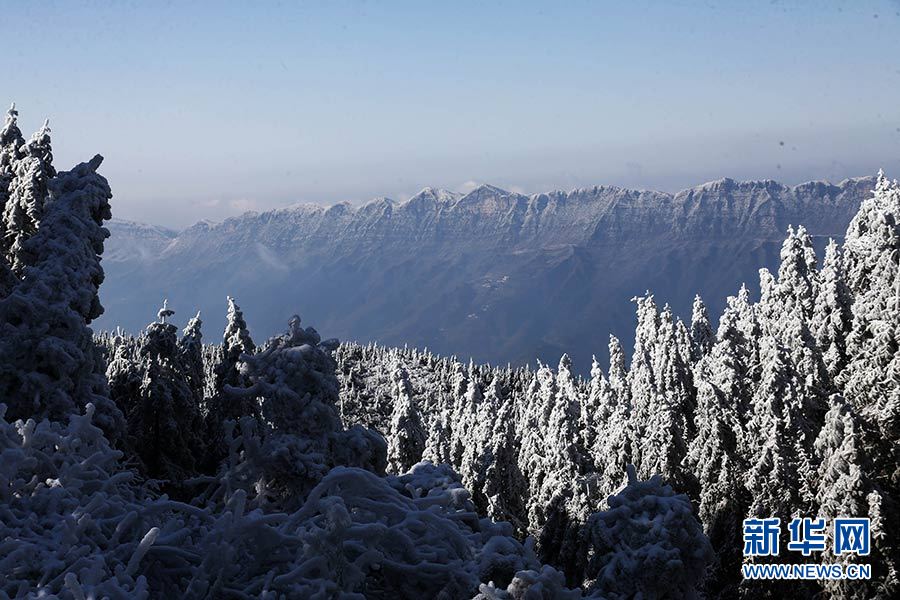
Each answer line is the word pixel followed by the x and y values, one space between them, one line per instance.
pixel 595 410
pixel 662 394
pixel 298 432
pixel 28 195
pixel 871 253
pixel 480 414
pixel 797 276
pixel 617 371
pixel 714 461
pixel 11 143
pixel 407 439
pixel 779 434
pixel 832 315
pixel 163 416
pixel 871 377
pixel 190 358
pixel 642 378
pixel 564 452
pixel 702 336
pixel 51 367
pixel 11 151
pixel 845 489
pixel 612 450
pixel 236 342
pixel 748 322
pixel 504 484
pixel 648 544
pixel 464 392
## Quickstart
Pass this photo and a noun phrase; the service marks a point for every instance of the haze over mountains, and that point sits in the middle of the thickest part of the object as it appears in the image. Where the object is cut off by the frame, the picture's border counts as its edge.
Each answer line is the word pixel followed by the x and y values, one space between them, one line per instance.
pixel 495 275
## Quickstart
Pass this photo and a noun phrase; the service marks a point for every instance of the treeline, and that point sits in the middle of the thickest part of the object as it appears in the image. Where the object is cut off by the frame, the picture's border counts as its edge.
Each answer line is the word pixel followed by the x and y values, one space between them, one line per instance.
pixel 789 408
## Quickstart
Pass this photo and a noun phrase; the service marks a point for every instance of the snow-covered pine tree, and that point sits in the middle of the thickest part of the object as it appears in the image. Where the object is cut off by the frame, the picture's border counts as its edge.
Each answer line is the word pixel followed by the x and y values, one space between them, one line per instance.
pixel 618 379
pixel 298 433
pixel 846 489
pixel 642 378
pixel 563 450
pixel 778 434
pixel 748 322
pixel 662 394
pixel 647 544
pixel 595 410
pixel 477 457
pixel 11 143
pixel 869 245
pixel 702 336
pixel 190 359
pixel 50 365
pixel 164 420
pixel 832 316
pixel 406 441
pixel 11 140
pixel 798 279
pixel 504 485
pixel 463 392
pixel 871 377
pixel 28 194
pixel 715 462
pixel 555 508
pixel 235 342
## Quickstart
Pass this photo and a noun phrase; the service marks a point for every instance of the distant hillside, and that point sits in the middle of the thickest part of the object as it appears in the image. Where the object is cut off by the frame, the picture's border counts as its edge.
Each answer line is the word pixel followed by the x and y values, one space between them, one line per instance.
pixel 495 275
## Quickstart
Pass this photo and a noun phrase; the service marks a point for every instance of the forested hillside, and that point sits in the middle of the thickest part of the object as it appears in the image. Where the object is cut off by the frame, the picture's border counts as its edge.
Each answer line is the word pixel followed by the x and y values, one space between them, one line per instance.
pixel 159 465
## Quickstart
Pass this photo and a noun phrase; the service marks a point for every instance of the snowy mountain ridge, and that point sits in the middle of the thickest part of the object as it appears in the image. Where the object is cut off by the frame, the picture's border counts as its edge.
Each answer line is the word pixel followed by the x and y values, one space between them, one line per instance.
pixel 485 196
pixel 415 272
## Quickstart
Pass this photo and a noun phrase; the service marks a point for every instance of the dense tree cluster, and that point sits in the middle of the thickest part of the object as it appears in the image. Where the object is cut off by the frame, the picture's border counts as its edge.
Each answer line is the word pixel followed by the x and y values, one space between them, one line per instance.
pixel 159 466
pixel 789 408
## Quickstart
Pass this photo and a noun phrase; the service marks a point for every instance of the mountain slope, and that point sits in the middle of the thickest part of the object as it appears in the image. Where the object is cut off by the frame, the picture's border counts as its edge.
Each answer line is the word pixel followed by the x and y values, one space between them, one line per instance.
pixel 495 275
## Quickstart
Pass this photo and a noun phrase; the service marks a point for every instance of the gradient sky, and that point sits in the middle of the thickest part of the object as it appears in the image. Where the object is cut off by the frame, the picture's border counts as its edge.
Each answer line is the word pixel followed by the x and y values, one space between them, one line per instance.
pixel 208 109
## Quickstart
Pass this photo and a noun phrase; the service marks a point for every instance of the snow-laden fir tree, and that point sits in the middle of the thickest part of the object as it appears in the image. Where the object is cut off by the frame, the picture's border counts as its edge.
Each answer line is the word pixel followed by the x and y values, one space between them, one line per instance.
pixel 190 358
pixel 798 279
pixel 846 489
pixel 164 419
pixel 11 151
pixel 235 341
pixel 647 544
pixel 832 315
pixel 504 486
pixel 406 441
pixel 716 465
pixel 28 195
pixel 477 456
pixel 292 382
pixel 661 394
pixel 595 410
pixel 642 378
pixel 871 378
pixel 617 372
pixel 223 406
pixel 778 433
pixel 49 366
pixel 702 336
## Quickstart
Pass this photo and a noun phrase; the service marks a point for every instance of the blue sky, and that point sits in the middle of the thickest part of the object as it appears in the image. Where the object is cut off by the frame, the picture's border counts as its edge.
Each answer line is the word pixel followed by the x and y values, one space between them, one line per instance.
pixel 207 109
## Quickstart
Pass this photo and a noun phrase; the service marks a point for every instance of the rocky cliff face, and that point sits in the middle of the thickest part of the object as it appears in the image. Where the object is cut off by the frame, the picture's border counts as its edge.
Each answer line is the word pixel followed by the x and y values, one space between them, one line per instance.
pixel 495 275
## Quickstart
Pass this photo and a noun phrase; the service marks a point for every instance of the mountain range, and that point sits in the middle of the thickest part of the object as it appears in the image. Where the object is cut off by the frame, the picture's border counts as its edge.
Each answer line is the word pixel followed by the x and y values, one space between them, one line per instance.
pixel 493 275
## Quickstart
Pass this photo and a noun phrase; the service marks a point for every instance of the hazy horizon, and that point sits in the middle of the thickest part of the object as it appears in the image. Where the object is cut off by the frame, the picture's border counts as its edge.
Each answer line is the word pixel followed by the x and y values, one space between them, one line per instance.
pixel 205 111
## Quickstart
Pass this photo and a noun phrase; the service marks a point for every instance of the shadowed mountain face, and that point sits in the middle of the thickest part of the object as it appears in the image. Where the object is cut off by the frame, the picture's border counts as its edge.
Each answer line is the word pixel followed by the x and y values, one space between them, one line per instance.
pixel 494 275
